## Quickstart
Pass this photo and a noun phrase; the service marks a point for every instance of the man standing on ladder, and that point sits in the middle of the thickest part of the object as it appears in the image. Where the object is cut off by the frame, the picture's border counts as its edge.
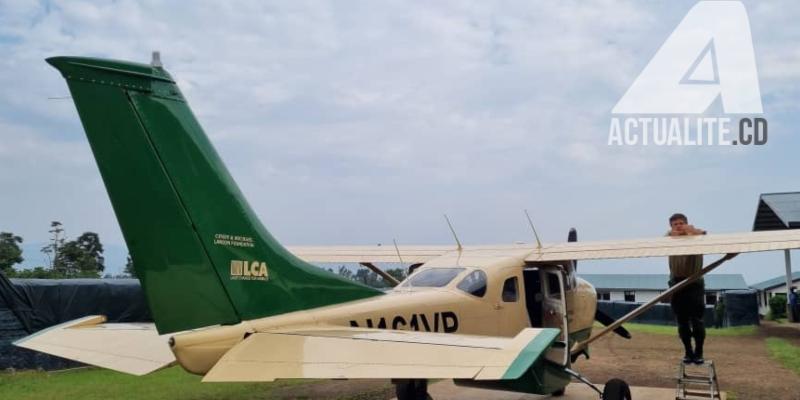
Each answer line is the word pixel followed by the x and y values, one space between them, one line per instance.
pixel 688 304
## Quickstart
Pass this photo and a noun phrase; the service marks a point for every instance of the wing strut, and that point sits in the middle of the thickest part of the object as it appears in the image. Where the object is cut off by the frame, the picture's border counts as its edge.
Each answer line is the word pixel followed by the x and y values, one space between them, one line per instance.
pixel 646 306
pixel 383 274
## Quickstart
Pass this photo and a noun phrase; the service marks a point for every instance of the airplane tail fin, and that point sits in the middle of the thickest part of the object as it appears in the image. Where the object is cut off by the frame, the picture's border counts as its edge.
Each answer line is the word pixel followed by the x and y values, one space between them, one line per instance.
pixel 202 255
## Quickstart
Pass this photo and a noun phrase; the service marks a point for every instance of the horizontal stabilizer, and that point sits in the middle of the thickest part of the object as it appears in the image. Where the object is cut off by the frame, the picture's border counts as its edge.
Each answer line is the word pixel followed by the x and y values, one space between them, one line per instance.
pixel 352 353
pixel 132 348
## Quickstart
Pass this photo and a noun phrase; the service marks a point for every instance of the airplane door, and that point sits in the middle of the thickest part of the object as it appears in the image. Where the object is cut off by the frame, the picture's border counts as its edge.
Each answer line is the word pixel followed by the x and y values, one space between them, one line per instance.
pixel 555 312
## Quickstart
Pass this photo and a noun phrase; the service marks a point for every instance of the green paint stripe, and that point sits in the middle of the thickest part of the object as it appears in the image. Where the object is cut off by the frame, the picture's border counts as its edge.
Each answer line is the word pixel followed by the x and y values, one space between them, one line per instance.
pixel 531 353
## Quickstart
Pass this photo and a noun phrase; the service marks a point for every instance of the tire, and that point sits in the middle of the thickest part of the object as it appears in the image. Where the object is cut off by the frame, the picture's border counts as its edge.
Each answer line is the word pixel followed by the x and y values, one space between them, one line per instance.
pixel 616 389
pixel 412 389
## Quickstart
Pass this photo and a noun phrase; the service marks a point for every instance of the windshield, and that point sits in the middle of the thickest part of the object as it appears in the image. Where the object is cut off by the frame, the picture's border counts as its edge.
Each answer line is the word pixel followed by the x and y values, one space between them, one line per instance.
pixel 432 277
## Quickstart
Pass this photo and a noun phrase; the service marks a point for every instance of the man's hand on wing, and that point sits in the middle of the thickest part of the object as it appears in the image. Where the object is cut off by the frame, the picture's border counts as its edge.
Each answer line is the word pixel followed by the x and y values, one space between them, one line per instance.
pixel 691 230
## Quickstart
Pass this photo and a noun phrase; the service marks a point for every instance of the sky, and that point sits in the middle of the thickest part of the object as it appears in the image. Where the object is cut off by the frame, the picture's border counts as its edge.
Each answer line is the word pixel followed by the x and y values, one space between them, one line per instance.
pixel 356 122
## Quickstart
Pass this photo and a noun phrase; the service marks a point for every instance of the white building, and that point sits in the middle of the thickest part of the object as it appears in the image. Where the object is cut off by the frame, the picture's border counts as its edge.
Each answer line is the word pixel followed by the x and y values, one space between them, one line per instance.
pixel 773 287
pixel 641 288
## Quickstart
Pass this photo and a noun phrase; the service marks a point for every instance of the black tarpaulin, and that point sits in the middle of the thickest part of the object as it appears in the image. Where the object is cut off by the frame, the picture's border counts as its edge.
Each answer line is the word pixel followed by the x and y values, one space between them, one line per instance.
pixel 41 303
pixel 29 305
pixel 741 307
pixel 659 314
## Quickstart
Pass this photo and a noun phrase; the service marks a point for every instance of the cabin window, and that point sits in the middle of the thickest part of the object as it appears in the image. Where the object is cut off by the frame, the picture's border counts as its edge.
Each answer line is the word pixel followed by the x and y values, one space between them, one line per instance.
pixel 432 277
pixel 603 296
pixel 630 296
pixel 474 283
pixel 553 286
pixel 711 298
pixel 510 290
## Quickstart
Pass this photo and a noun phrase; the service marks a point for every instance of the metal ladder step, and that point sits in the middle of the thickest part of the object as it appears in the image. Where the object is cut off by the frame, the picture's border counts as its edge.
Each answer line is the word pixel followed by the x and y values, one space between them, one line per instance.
pixel 695 385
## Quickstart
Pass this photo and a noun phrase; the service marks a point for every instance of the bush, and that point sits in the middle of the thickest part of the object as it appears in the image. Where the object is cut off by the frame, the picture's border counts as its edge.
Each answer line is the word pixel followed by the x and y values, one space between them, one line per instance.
pixel 777 307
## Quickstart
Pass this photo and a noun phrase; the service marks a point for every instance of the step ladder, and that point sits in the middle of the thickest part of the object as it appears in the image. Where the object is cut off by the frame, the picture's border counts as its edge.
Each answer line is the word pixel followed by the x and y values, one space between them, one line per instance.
pixel 698 382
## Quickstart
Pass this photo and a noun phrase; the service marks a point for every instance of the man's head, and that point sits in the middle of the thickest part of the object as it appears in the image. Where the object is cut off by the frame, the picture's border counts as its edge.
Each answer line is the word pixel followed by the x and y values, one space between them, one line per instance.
pixel 678 222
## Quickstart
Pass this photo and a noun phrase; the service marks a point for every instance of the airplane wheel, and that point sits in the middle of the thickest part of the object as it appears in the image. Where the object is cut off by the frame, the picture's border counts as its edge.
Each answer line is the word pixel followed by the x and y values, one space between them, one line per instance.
pixel 616 389
pixel 412 389
pixel 559 392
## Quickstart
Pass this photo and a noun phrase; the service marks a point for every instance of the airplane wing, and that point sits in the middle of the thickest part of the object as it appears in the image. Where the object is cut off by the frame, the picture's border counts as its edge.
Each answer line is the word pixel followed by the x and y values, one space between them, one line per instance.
pixel 669 246
pixel 133 348
pixel 369 254
pixel 349 353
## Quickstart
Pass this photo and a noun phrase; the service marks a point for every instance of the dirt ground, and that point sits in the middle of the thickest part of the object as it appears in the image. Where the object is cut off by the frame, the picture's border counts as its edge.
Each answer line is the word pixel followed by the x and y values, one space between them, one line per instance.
pixel 742 363
pixel 743 367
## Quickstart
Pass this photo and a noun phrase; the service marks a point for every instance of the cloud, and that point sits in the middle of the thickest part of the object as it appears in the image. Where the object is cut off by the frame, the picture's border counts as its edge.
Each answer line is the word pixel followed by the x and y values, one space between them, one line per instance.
pixel 351 122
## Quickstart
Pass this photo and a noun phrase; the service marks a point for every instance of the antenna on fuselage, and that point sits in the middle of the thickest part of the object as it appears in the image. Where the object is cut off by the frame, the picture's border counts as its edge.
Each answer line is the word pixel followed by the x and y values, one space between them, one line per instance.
pixel 156 60
pixel 458 242
pixel 397 249
pixel 533 228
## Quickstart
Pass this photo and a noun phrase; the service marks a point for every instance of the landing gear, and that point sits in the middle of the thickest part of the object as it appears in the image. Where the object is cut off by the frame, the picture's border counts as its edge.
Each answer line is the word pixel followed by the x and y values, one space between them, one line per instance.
pixel 616 389
pixel 411 389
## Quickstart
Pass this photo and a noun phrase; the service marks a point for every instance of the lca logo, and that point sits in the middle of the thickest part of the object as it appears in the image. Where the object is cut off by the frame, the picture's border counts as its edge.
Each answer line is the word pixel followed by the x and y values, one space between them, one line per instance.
pixel 708 56
pixel 249 271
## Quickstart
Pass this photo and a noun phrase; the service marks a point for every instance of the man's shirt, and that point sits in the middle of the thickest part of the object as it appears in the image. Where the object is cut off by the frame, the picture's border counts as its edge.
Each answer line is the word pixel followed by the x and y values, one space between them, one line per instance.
pixel 682 267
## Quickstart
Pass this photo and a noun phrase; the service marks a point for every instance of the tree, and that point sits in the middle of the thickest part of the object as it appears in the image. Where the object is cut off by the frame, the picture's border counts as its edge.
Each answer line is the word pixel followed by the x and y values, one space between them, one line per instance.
pixel 777 306
pixel 36 273
pixel 56 242
pixel 82 257
pixel 10 253
pixel 397 273
pixel 369 278
pixel 129 269
pixel 345 272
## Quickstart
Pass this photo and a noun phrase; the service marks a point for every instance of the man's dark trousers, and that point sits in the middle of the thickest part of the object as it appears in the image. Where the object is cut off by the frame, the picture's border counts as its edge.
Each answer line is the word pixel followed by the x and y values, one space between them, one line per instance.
pixel 688 304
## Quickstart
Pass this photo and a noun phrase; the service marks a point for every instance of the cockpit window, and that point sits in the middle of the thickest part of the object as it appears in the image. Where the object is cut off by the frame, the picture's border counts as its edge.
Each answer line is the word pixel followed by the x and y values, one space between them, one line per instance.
pixel 474 283
pixel 432 277
pixel 510 290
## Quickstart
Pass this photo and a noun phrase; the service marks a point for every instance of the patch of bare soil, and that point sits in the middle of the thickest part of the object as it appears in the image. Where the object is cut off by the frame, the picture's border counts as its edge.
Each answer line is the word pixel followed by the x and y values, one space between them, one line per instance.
pixel 788 331
pixel 743 364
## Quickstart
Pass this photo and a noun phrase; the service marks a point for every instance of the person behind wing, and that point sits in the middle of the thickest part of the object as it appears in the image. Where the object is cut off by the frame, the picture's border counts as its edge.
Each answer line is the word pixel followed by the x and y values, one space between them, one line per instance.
pixel 688 303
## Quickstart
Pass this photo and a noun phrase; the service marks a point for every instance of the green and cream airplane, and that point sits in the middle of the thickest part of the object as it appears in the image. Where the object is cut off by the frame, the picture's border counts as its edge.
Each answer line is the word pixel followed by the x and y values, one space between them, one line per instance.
pixel 232 304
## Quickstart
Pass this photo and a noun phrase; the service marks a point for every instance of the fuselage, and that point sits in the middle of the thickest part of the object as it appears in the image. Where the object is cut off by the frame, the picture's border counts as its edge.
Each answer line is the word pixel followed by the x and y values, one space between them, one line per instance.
pixel 444 295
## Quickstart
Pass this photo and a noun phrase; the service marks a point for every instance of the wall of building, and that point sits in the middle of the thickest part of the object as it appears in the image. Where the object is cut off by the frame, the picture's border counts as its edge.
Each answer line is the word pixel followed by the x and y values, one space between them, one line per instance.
pixel 763 301
pixel 640 296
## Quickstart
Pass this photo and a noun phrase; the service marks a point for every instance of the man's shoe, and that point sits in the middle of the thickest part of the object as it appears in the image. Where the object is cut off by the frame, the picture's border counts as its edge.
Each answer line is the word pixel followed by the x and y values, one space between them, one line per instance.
pixel 698 360
pixel 688 358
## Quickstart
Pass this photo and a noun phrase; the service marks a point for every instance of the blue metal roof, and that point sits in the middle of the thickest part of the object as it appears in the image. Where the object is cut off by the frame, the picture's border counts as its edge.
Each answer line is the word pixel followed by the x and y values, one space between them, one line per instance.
pixel 660 281
pixel 777 281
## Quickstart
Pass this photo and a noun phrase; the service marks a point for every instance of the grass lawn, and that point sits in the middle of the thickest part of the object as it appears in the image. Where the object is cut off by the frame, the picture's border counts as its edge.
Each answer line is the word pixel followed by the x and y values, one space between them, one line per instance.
pixel 785 352
pixel 673 330
pixel 90 383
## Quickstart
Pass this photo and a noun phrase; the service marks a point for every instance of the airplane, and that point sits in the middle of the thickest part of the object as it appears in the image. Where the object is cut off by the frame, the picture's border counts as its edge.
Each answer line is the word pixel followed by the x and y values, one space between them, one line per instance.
pixel 232 304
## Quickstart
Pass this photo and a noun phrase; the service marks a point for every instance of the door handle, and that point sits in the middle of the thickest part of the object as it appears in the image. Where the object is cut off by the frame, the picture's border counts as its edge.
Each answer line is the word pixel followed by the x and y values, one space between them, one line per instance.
pixel 497 306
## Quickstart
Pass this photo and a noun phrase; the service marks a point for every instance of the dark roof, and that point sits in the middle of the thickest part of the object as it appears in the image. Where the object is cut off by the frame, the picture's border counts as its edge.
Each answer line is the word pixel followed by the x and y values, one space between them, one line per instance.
pixel 776 281
pixel 777 211
pixel 659 281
